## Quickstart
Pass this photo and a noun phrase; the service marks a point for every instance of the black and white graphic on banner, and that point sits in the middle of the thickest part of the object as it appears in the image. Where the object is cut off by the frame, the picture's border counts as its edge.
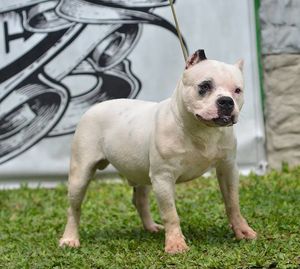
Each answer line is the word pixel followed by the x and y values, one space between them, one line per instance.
pixel 59 57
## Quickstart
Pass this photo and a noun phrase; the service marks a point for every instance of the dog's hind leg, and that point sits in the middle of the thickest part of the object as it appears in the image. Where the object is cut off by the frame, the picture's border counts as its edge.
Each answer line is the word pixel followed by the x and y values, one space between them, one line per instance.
pixel 141 201
pixel 79 179
pixel 86 158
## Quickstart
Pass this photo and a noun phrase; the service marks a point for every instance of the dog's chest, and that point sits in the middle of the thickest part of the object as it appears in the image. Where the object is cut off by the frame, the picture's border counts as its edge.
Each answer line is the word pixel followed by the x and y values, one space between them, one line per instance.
pixel 196 161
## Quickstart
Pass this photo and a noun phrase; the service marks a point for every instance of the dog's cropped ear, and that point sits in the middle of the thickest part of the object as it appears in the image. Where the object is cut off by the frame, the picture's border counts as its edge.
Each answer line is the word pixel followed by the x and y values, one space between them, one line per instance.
pixel 197 57
pixel 240 64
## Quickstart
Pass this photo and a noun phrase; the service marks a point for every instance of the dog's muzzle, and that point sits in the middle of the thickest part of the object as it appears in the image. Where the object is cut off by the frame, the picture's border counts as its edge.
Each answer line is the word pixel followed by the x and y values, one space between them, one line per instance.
pixel 225 105
pixel 225 120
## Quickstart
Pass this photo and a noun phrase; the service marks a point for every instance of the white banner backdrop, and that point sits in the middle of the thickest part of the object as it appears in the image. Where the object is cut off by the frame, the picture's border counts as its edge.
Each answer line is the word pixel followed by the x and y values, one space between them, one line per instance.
pixel 59 57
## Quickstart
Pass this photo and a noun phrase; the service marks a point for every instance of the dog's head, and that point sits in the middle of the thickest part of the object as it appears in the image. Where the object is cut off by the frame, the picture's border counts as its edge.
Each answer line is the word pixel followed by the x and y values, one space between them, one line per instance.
pixel 213 91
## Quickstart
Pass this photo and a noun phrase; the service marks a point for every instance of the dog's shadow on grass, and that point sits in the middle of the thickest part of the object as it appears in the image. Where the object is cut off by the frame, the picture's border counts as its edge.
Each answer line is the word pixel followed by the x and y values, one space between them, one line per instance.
pixel 123 234
pixel 214 235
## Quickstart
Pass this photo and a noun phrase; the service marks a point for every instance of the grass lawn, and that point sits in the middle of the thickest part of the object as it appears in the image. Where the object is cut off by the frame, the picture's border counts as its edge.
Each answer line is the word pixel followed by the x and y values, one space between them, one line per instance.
pixel 32 220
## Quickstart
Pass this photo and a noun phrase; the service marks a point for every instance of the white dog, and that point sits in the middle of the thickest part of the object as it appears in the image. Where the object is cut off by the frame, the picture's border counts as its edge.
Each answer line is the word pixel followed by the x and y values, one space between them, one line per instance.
pixel 161 144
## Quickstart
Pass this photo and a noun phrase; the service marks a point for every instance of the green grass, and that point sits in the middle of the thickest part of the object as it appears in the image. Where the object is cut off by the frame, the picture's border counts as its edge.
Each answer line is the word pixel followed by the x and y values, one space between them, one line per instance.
pixel 32 220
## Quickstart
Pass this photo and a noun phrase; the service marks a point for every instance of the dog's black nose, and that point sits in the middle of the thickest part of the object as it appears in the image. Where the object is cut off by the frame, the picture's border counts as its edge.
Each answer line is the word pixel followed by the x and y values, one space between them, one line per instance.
pixel 225 104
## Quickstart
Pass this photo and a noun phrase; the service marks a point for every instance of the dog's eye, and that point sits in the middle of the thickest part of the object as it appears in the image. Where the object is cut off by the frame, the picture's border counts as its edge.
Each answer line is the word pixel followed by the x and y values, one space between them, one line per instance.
pixel 204 87
pixel 238 90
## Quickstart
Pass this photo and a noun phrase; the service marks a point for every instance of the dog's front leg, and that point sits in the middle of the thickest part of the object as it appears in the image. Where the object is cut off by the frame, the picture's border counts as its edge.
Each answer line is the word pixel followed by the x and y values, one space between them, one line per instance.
pixel 228 177
pixel 164 189
pixel 140 199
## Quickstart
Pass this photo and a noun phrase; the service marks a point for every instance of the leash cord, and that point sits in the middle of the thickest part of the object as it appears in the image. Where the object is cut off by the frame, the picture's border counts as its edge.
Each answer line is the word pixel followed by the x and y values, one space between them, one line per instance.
pixel 183 48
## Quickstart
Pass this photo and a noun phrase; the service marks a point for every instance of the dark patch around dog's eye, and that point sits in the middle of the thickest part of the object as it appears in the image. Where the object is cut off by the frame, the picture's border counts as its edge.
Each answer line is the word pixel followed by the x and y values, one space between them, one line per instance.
pixel 204 87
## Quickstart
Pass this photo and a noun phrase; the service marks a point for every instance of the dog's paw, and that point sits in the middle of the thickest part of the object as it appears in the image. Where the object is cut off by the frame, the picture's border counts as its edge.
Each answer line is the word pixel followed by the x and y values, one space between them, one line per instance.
pixel 69 242
pixel 153 227
pixel 175 244
pixel 243 231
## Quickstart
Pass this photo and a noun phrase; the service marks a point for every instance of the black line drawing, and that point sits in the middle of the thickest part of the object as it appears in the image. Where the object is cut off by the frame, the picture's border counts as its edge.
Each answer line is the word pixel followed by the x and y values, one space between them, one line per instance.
pixel 50 45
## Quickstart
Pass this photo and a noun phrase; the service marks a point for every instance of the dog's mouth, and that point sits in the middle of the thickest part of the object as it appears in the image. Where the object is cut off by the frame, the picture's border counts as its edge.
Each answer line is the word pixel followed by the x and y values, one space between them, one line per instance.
pixel 225 120
pixel 221 120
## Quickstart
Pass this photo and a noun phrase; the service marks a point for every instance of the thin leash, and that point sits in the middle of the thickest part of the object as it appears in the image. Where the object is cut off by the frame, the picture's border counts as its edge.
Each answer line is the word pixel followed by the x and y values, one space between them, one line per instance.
pixel 183 48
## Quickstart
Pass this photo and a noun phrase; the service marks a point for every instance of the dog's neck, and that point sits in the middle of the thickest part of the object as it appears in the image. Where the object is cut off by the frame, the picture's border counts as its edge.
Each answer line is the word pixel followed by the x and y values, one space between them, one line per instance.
pixel 191 126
